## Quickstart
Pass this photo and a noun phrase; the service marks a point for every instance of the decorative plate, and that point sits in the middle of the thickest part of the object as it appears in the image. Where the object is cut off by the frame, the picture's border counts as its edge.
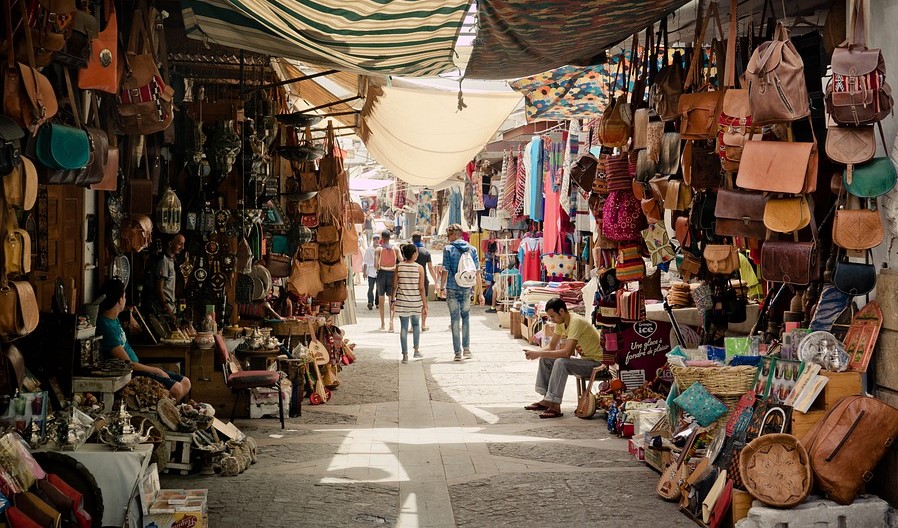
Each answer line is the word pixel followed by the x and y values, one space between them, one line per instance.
pixel 121 269
pixel 212 247
pixel 776 470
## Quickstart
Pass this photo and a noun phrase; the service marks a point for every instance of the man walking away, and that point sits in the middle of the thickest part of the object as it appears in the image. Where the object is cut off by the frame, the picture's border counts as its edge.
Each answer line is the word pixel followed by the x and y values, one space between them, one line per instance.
pixel 385 259
pixel 370 270
pixel 458 296
pixel 426 262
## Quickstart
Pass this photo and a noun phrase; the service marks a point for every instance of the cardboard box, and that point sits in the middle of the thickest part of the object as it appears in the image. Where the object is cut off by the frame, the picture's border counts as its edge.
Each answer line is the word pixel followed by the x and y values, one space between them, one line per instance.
pixel 636 448
pixel 504 319
pixel 172 508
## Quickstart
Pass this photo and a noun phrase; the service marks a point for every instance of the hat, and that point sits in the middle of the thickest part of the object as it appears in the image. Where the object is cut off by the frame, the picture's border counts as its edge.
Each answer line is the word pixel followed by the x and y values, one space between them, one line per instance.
pixel 454 228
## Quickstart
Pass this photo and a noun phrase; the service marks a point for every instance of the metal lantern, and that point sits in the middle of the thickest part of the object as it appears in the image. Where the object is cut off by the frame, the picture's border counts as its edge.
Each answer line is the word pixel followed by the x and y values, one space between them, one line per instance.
pixel 168 213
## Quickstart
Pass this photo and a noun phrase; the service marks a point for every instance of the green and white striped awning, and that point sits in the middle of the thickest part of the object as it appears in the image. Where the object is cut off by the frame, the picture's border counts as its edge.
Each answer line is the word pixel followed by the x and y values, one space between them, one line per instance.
pixel 385 37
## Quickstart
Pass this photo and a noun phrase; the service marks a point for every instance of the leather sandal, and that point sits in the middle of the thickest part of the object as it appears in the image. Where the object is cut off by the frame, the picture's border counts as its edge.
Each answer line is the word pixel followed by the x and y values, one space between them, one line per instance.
pixel 535 407
pixel 548 413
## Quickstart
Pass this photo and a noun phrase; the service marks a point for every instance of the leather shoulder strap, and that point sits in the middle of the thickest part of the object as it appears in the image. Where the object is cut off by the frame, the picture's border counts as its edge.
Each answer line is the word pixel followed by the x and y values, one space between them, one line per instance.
pixel 858 36
pixel 729 76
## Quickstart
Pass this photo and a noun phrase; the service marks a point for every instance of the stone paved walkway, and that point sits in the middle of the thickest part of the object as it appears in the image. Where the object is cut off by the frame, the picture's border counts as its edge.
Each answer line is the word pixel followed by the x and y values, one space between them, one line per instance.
pixel 436 443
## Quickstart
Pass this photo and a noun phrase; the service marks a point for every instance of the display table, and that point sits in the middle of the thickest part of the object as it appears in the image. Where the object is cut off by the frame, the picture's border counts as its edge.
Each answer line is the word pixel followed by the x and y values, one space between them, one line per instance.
pixel 117 473
pixel 106 386
pixel 691 317
pixel 257 359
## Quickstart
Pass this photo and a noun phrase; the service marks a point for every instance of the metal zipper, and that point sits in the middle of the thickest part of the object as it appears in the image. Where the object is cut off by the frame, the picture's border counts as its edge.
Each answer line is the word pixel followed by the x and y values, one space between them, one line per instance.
pixel 779 90
pixel 844 439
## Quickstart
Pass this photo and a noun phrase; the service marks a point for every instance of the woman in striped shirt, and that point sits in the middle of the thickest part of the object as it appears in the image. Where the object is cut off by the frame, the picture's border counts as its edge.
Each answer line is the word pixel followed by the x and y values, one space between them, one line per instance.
pixel 409 298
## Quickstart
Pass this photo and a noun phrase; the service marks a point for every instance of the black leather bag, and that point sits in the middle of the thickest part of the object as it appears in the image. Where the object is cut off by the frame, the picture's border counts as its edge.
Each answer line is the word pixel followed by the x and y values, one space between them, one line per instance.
pixel 10 135
pixel 854 278
pixel 583 171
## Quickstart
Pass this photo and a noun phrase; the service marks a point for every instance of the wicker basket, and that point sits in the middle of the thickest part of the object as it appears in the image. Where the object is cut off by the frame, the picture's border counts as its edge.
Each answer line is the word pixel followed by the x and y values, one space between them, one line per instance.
pixel 717 380
pixel 776 470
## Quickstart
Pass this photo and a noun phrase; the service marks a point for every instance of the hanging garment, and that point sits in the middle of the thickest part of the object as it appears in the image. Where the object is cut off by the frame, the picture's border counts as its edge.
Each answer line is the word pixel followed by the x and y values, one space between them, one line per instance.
pixel 570 145
pixel 530 253
pixel 424 208
pixel 583 220
pixel 552 211
pixel 520 185
pixel 509 174
pixel 454 206
pixel 477 187
pixel 535 182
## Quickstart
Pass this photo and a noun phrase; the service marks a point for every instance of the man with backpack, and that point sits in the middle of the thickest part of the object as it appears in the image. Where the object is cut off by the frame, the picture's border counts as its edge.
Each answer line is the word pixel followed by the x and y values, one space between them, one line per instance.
pixel 385 259
pixel 461 272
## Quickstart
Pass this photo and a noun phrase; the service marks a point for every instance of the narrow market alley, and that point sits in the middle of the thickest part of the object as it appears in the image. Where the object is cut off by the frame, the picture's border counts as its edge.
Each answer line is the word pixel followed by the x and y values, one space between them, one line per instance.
pixel 436 443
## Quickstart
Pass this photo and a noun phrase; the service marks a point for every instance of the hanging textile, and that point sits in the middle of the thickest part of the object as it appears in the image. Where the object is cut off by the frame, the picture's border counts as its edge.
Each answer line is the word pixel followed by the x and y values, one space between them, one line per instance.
pixel 424 209
pixel 569 92
pixel 510 172
pixel 534 208
pixel 520 186
pixel 477 187
pixel 570 145
pixel 455 199
pixel 552 211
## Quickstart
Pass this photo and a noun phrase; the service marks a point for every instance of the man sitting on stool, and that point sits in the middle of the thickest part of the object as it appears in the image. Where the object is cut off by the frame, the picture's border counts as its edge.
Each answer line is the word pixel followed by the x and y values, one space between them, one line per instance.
pixel 556 364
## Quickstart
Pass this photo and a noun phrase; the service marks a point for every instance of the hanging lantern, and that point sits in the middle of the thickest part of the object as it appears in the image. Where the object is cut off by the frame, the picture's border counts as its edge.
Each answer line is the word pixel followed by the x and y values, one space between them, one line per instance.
pixel 168 213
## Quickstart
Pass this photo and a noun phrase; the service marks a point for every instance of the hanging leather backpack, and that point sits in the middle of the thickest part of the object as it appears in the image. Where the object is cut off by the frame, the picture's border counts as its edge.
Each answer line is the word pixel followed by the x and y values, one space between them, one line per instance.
pixel 664 96
pixel 700 110
pixel 858 93
pixel 144 100
pixel 776 86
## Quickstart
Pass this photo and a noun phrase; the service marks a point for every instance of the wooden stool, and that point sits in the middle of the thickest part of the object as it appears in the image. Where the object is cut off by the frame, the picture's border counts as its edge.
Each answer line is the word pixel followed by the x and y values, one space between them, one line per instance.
pixel 181 445
pixel 584 383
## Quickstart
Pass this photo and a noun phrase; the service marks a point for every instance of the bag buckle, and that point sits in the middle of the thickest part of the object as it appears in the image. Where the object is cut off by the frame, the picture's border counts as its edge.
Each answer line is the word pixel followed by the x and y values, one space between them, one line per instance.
pixel 868 476
pixel 890 441
pixel 746 220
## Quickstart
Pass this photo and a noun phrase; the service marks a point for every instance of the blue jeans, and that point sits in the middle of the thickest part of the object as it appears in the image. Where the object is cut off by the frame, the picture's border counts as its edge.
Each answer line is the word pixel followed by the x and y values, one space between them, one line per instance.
pixel 459 301
pixel 404 321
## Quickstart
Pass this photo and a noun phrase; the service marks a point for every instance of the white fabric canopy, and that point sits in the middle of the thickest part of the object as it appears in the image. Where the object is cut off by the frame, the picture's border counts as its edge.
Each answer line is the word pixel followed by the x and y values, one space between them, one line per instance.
pixel 421 136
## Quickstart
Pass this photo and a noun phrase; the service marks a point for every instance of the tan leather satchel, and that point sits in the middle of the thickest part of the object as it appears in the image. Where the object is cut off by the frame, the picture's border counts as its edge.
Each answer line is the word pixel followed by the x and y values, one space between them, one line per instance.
pixel 28 96
pixel 16 249
pixel 305 278
pixel 857 229
pixel 136 233
pixel 851 145
pixel 669 163
pixel 20 186
pixel 779 167
pixel 641 128
pixel 846 445
pixel 614 129
pixel 333 272
pixel 787 215
pixel 776 82
pixel 699 113
pixel 721 259
pixel 144 100
pixel 19 313
pixel 678 195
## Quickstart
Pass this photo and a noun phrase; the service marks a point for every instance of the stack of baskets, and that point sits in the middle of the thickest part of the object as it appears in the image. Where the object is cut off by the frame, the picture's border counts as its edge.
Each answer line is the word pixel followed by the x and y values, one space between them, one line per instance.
pixel 727 384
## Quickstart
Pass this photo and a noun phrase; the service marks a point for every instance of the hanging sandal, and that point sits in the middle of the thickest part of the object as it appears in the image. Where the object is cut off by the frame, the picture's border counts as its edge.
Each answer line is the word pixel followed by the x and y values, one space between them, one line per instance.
pixel 551 414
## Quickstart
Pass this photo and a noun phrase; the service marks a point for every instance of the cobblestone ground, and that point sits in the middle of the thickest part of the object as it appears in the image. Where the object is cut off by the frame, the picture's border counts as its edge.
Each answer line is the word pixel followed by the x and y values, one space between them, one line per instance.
pixel 435 443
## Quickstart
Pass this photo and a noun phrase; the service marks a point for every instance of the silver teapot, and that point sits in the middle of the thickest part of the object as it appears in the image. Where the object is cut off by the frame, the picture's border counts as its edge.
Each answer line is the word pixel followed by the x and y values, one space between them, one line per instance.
pixel 255 340
pixel 120 434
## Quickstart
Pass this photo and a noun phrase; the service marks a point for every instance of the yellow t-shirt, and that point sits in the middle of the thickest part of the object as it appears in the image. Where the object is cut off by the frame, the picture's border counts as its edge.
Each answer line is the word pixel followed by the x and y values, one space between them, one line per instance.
pixel 586 335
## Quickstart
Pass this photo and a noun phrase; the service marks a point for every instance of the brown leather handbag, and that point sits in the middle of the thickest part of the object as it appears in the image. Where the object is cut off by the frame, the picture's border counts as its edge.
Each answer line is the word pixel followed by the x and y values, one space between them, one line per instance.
pixel 19 313
pixel 308 251
pixel 678 195
pixel 333 272
pixel 699 111
pixel 16 249
pixel 669 162
pixel 858 93
pixel 333 292
pixel 795 165
pixel 329 252
pixel 614 129
pixel 701 165
pixel 20 186
pixel 776 82
pixel 740 213
pixel 12 370
pixel 846 445
pixel 787 215
pixel 278 265
pixel 721 259
pixel 28 96
pixel 857 229
pixel 328 233
pixel 136 233
pixel 734 128
pixel 664 95
pixel 792 262
pixel 102 72
pixel 851 145
pixel 583 171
